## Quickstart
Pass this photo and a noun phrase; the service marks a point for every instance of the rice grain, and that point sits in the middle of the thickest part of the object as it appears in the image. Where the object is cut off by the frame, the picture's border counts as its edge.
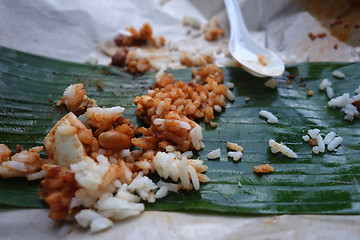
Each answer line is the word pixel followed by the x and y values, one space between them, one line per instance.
pixel 214 154
pixel 282 148
pixel 270 117
pixel 338 74
pixel 334 143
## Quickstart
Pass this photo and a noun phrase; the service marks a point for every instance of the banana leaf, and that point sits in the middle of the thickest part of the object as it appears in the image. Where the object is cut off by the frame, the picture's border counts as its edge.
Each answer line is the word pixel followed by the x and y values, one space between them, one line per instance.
pixel 325 183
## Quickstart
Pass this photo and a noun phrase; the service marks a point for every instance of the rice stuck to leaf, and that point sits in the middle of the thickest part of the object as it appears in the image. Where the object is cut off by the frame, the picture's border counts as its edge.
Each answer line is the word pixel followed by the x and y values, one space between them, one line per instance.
pixel 214 154
pixel 282 148
pixel 270 117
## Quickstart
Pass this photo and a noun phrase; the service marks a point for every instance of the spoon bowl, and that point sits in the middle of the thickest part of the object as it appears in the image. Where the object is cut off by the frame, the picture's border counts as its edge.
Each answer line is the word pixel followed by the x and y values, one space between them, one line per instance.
pixel 255 59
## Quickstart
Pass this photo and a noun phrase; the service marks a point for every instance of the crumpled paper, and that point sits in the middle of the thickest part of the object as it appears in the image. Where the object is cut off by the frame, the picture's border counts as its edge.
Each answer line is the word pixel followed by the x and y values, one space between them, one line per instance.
pixel 75 30
pixel 35 224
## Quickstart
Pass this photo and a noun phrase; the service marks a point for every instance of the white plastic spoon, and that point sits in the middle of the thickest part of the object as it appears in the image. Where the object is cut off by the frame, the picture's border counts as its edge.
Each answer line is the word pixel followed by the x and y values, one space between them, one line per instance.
pixel 256 59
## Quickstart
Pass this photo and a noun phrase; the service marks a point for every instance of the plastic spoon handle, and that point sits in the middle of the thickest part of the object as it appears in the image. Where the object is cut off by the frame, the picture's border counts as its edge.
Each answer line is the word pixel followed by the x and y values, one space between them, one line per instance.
pixel 237 24
pixel 245 50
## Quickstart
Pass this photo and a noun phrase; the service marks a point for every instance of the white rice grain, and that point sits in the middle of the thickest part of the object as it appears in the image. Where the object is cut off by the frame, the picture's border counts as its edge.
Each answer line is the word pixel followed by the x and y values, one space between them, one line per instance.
pixel 191 21
pixel 124 194
pixel 270 117
pixel 118 209
pixel 196 137
pixel 100 224
pixel 172 187
pixel 187 154
pixel 124 153
pixel 338 74
pixel 184 173
pixel 306 138
pixel 214 154
pixel 324 84
pixel 231 85
pixel 340 101
pixel 321 143
pixel 19 166
pixel 144 187
pixel 111 110
pixel 36 175
pixel 329 92
pixel 329 137
pixel 316 149
pixel 194 177
pixel 181 124
pixel 230 95
pixel 334 143
pixel 217 108
pixel 86 216
pixel 349 118
pixel 355 98
pixel 170 148
pixel 350 110
pixel 357 90
pixel 272 83
pixel 313 132
pixel 235 155
pixel 162 192
pixel 282 148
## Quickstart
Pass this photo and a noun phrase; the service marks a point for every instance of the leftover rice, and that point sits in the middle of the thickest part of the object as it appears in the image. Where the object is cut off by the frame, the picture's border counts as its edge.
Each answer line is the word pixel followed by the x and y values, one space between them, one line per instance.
pixel 264 168
pixel 92 175
pixel 280 147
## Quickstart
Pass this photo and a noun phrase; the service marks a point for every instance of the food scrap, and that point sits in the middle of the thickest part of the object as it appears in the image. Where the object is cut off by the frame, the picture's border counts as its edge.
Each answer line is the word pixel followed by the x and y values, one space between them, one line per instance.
pixel 214 154
pixel 264 168
pixel 269 116
pixel 91 172
pixel 338 74
pixel 319 143
pixel 21 164
pixel 236 152
pixel 313 37
pixel 262 60
pixel 125 56
pixel 212 30
pixel 137 38
pixel 280 147
pixel 271 83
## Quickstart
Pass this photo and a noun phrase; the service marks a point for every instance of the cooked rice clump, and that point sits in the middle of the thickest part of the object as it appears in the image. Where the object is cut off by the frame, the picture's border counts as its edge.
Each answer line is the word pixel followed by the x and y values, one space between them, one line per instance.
pixel 22 164
pixel 171 107
pixel 142 37
pixel 133 61
pixel 91 173
pixel 95 169
pixel 319 143
pixel 76 100
pixel 96 178
pixel 212 30
pixel 349 105
pixel 236 154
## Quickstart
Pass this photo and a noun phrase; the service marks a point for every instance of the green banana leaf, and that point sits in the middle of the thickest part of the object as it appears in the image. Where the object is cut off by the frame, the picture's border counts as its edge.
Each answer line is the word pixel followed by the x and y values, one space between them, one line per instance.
pixel 326 183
